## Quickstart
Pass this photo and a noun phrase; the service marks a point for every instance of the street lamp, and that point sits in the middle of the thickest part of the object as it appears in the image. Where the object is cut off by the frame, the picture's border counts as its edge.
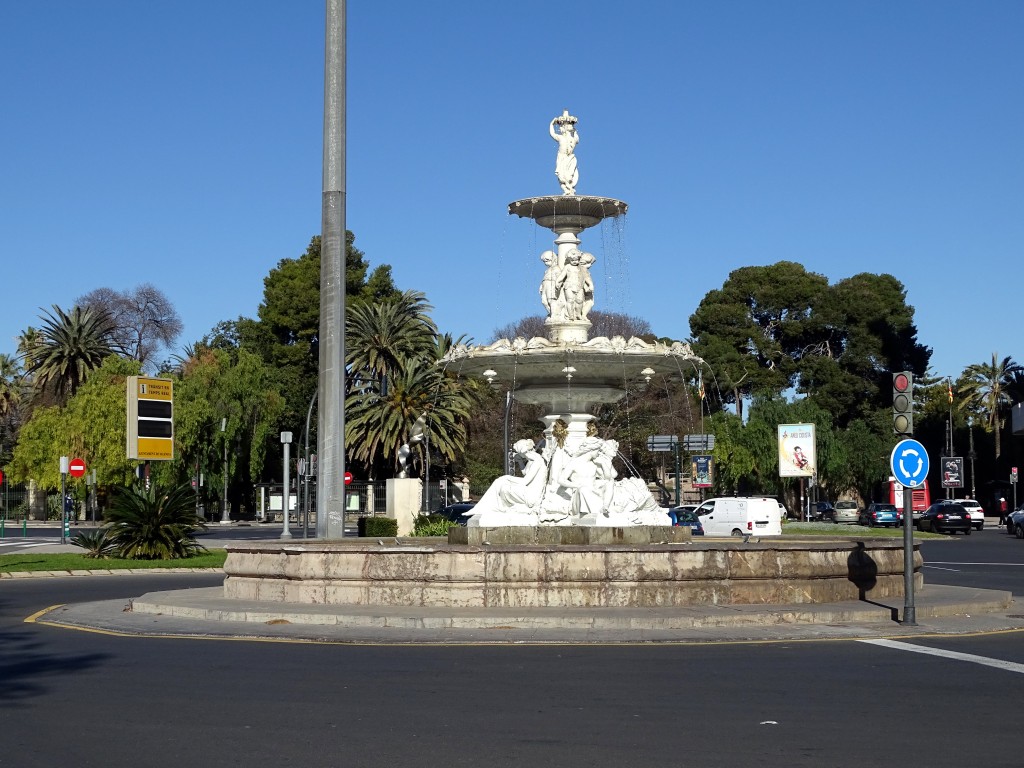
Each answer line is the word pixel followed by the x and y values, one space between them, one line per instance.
pixel 225 513
pixel 286 440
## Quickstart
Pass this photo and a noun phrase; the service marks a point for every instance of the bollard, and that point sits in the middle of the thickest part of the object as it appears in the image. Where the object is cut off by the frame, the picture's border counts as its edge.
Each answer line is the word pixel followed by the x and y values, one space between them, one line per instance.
pixel 24 527
pixel 3 525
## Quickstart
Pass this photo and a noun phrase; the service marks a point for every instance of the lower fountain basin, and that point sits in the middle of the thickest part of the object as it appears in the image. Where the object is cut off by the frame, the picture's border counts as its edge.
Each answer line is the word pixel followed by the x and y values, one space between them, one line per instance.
pixel 624 571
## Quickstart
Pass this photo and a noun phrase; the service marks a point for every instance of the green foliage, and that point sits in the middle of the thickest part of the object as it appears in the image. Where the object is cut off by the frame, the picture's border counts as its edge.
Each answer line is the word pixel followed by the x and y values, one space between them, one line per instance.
pixel 91 426
pixel 772 328
pixel 95 543
pixel 69 346
pixel 382 527
pixel 154 524
pixel 432 525
pixel 753 330
pixel 217 384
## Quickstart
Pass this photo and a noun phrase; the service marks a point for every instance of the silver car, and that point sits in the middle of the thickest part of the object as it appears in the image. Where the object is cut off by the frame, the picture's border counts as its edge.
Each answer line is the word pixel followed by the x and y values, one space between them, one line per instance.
pixel 846 512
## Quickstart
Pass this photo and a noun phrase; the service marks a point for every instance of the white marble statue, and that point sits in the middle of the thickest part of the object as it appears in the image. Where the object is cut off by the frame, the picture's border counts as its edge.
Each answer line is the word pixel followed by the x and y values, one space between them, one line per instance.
pixel 518 495
pixel 590 477
pixel 567 486
pixel 575 286
pixel 565 161
pixel 549 294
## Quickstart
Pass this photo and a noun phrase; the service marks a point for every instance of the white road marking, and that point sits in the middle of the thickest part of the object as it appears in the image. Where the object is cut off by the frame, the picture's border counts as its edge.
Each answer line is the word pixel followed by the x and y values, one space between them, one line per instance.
pixel 1008 666
pixel 943 562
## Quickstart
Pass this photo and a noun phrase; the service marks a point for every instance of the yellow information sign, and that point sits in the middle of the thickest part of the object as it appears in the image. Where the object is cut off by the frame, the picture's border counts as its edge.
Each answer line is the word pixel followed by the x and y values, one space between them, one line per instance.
pixel 150 419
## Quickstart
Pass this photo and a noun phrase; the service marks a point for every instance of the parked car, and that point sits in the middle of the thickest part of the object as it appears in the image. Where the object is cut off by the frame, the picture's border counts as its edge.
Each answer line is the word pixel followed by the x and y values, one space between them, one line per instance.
pixel 943 517
pixel 846 511
pixel 823 511
pixel 973 508
pixel 1015 522
pixel 687 517
pixel 458 512
pixel 676 511
pixel 880 514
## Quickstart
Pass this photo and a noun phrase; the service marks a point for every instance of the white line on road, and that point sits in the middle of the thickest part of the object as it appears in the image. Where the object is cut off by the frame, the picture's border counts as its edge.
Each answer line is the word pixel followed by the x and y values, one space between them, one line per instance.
pixel 1008 666
pixel 943 562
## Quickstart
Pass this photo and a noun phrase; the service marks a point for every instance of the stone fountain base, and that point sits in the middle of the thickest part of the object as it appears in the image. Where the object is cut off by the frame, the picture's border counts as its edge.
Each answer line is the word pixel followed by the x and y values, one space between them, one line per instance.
pixel 593 567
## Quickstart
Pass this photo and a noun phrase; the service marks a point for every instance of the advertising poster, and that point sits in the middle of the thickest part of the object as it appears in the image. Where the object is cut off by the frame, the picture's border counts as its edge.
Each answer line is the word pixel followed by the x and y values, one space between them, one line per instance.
pixel 703 472
pixel 796 450
pixel 953 472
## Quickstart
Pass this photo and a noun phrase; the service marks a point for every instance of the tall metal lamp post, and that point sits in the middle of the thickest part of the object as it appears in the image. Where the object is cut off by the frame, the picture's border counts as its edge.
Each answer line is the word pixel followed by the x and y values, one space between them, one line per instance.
pixel 225 512
pixel 286 441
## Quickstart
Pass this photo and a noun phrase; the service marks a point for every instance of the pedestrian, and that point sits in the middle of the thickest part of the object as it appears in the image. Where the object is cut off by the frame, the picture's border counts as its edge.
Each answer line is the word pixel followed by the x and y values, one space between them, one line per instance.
pixel 1002 509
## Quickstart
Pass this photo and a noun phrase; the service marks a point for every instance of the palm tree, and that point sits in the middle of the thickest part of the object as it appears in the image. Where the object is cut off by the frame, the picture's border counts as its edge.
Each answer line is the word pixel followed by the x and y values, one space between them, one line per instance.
pixel 10 385
pixel 383 335
pixel 154 524
pixel 395 378
pixel 69 346
pixel 986 387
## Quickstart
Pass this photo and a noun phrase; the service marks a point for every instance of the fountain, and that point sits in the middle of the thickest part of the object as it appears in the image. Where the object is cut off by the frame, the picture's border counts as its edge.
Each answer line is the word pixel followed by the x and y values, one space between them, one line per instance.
pixel 566 533
pixel 569 479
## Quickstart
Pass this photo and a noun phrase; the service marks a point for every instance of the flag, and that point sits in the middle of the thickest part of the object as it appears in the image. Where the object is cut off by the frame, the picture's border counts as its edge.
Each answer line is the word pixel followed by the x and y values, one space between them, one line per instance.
pixel 949 388
pixel 700 387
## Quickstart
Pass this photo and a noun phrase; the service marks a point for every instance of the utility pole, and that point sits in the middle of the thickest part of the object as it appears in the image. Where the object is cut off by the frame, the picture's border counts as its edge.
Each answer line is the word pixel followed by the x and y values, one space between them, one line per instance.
pixel 330 496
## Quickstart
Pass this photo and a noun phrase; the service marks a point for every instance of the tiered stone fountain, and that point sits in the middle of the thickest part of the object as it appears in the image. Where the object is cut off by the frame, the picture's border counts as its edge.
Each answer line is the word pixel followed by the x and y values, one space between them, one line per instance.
pixel 569 479
pixel 567 532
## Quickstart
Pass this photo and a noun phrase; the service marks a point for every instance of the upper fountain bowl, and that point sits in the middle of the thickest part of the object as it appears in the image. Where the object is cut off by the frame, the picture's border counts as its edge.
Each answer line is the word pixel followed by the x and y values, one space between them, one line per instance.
pixel 562 213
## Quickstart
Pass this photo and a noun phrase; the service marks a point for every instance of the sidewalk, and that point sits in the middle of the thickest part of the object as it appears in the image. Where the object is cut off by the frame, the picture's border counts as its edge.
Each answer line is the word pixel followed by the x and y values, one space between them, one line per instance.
pixel 206 613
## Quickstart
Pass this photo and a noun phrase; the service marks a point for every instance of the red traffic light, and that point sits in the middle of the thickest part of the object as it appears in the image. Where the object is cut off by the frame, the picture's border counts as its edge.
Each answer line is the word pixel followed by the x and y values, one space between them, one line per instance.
pixel 900 382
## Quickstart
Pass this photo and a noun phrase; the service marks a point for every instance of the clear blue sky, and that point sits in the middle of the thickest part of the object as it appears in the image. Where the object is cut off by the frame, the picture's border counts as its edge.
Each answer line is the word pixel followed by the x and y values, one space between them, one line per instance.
pixel 180 144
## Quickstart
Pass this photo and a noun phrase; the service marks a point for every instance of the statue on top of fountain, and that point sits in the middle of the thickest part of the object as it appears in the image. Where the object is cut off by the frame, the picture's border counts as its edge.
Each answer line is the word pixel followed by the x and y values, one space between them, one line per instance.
pixel 567 289
pixel 566 169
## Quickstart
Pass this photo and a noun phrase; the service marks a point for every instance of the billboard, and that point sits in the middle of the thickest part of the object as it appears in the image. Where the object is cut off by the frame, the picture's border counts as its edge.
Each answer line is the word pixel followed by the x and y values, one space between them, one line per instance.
pixel 703 471
pixel 797 456
pixel 952 472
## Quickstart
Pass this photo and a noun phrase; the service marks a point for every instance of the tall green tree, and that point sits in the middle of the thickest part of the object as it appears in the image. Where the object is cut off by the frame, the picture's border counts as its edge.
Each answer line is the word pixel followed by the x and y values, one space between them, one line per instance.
pixel 70 345
pixel 754 330
pixel 860 330
pixel 985 388
pixel 287 330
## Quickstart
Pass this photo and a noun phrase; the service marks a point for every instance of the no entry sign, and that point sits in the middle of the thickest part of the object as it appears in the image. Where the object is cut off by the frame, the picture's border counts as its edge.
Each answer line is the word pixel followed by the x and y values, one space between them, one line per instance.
pixel 76 468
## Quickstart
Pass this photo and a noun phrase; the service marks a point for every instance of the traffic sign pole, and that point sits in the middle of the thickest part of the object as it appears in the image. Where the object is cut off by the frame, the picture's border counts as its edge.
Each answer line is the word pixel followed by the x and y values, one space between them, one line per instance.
pixel 909 465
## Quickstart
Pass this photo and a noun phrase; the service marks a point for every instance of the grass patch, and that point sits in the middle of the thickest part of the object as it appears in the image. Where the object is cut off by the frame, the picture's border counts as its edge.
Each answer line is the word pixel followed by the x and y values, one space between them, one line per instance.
pixel 66 561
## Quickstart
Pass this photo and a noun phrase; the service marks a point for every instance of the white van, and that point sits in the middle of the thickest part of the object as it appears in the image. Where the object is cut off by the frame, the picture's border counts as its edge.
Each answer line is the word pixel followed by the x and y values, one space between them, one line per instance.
pixel 737 516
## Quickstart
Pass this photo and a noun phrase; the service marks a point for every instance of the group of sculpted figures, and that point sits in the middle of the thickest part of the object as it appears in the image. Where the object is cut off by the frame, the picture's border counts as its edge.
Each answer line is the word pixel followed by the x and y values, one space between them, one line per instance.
pixel 567 290
pixel 559 486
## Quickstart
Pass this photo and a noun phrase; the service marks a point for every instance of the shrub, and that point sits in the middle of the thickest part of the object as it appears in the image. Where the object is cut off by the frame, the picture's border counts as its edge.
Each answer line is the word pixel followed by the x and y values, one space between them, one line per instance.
pixel 154 524
pixel 95 543
pixel 378 526
pixel 432 525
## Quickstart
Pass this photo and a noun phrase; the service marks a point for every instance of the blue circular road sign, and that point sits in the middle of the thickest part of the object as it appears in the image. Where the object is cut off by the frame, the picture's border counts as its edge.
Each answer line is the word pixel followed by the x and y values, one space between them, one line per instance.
pixel 909 463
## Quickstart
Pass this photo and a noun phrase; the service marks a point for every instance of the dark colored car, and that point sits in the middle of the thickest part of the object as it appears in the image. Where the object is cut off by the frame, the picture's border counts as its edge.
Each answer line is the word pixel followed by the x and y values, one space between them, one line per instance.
pixel 945 518
pixel 687 517
pixel 879 514
pixel 823 511
pixel 458 512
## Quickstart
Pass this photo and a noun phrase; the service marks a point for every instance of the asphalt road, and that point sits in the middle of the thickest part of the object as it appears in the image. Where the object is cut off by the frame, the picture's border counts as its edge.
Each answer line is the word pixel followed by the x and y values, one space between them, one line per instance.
pixel 86 699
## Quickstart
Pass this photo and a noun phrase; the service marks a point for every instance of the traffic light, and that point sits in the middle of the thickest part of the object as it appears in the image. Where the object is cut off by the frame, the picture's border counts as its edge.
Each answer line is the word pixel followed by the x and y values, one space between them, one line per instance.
pixel 903 403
